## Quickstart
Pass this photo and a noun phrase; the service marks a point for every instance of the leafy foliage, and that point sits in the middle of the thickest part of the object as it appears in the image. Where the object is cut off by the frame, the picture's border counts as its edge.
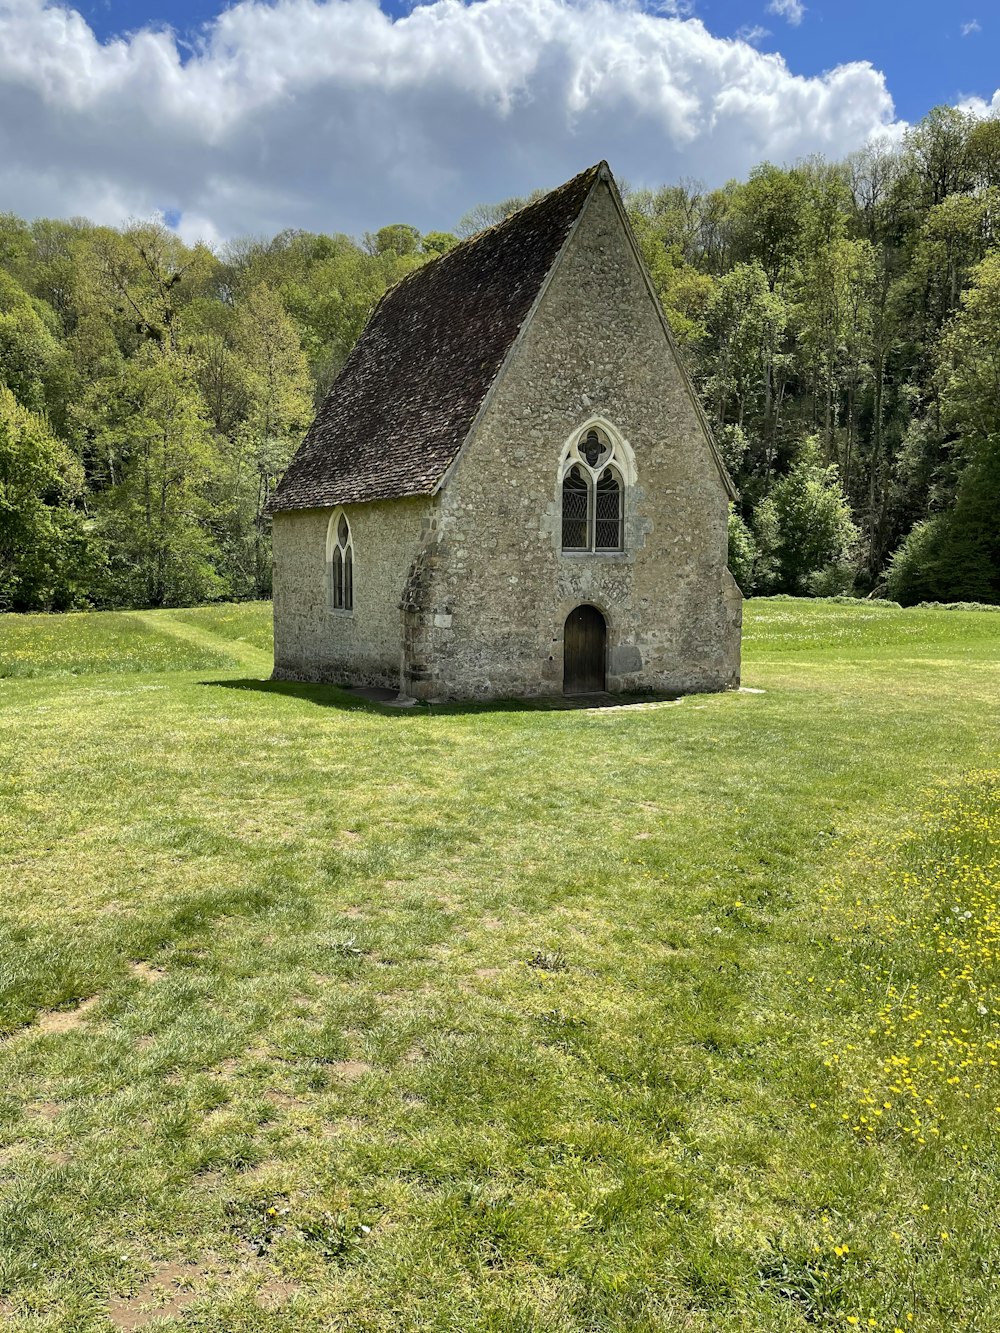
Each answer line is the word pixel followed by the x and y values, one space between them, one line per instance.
pixel 45 557
pixel 153 392
pixel 804 529
pixel 855 304
pixel 743 552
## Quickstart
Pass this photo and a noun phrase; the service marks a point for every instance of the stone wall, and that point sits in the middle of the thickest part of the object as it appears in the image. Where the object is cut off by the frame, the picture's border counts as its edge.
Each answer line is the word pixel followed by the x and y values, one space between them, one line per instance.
pixel 490 589
pixel 363 646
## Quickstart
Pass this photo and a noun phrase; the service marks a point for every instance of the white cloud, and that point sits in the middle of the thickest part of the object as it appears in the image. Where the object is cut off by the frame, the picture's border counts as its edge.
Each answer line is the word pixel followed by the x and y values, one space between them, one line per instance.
pixel 969 28
pixel 327 114
pixel 752 33
pixel 792 10
pixel 978 106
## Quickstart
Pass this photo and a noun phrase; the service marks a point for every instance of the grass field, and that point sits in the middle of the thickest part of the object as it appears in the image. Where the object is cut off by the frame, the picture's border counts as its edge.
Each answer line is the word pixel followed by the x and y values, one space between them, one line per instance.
pixel 318 1016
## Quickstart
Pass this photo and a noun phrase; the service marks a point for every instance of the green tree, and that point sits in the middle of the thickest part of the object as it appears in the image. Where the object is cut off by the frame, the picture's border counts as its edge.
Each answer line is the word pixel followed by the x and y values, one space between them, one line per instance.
pixel 438 242
pixel 331 299
pixel 767 216
pixel 141 278
pixel 33 364
pixel 399 239
pixel 666 224
pixel 937 157
pixel 804 527
pixel 833 321
pixel 278 409
pixel 151 435
pixel 46 554
pixel 743 552
pixel 744 364
pixel 955 554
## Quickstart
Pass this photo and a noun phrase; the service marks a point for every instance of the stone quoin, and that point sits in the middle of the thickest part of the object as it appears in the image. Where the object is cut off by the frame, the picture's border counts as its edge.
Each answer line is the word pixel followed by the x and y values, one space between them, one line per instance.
pixel 511 489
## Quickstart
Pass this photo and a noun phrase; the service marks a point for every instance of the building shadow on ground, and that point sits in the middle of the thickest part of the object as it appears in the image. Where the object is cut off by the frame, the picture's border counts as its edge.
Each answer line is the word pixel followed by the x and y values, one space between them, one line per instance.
pixel 385 703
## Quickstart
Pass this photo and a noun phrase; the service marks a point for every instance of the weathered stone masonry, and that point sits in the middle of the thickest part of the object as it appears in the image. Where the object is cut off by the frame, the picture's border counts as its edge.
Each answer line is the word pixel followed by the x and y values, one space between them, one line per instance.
pixel 362 646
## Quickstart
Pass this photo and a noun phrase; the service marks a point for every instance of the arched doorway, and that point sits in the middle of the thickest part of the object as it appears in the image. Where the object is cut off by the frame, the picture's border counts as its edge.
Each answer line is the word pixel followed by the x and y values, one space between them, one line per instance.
pixel 585 639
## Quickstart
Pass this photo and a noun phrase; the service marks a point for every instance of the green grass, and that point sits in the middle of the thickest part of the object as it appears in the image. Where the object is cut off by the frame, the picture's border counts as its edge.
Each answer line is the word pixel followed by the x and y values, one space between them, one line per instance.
pixel 794 625
pixel 99 642
pixel 325 1017
pixel 246 622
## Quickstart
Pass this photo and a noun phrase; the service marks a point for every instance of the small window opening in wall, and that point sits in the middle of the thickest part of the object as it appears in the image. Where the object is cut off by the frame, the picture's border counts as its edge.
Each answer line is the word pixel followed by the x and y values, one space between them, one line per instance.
pixel 340 561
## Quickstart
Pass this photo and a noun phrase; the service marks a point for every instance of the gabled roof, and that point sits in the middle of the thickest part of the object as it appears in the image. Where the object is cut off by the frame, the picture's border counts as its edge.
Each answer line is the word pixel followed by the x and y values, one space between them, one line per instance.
pixel 401 408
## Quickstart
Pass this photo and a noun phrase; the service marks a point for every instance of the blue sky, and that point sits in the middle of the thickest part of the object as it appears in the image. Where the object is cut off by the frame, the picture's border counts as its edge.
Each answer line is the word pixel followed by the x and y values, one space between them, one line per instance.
pixel 336 115
pixel 918 44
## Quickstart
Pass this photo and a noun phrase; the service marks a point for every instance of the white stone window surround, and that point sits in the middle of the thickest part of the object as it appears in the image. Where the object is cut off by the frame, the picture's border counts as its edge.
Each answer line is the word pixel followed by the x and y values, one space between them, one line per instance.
pixel 340 582
pixel 617 454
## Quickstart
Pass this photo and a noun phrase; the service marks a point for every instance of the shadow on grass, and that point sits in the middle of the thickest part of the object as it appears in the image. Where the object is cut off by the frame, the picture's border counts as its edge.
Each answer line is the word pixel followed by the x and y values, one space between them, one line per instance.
pixel 347 700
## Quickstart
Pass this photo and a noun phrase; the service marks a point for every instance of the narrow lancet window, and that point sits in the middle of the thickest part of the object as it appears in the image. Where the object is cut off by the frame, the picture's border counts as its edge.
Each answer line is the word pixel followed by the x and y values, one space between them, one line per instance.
pixel 340 563
pixel 575 511
pixel 338 579
pixel 608 521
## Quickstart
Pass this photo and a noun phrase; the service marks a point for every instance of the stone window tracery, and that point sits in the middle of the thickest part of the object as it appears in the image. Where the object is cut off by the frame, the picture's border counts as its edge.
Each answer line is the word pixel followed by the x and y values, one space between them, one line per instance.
pixel 340 563
pixel 593 474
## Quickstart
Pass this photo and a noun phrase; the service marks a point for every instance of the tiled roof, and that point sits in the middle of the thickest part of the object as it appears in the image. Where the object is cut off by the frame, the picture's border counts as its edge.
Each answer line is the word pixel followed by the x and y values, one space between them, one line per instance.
pixel 399 411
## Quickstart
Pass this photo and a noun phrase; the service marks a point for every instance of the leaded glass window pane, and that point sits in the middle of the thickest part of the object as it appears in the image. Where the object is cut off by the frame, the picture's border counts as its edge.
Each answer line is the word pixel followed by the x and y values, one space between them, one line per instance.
pixel 348 579
pixel 343 532
pixel 575 511
pixel 608 515
pixel 338 579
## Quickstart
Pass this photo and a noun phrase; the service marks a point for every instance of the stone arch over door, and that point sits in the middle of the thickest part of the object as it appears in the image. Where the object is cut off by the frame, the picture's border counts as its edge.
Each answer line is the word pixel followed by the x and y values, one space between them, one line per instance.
pixel 585 651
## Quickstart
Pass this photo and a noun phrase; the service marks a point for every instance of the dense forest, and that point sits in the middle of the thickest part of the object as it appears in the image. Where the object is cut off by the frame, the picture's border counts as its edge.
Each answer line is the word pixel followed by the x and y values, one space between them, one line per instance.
pixel 841 320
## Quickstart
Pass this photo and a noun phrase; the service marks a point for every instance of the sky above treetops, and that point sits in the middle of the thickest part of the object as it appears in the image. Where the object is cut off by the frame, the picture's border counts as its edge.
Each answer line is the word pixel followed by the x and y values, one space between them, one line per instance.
pixel 339 115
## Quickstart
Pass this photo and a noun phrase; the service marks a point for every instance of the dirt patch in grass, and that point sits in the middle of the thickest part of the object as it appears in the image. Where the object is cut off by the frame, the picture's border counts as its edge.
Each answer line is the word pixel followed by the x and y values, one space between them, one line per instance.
pixel 284 1101
pixel 338 1129
pixel 277 1291
pixel 43 1110
pixel 350 1070
pixel 147 972
pixel 51 1021
pixel 165 1295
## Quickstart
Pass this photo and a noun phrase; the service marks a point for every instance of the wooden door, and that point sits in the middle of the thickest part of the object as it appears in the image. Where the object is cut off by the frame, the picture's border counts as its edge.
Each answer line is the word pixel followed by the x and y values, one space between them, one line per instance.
pixel 584 643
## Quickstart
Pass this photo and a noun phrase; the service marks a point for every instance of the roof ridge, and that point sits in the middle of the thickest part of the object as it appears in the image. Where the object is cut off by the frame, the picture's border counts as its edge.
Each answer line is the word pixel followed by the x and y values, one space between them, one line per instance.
pixel 494 228
pixel 545 198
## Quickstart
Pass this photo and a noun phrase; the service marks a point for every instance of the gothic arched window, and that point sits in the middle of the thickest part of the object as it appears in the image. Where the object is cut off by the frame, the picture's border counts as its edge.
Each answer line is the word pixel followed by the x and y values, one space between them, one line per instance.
pixel 340 563
pixel 594 471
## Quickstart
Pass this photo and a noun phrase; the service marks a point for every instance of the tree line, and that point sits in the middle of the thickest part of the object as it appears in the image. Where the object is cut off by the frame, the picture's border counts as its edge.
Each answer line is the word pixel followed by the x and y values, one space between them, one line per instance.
pixel 841 321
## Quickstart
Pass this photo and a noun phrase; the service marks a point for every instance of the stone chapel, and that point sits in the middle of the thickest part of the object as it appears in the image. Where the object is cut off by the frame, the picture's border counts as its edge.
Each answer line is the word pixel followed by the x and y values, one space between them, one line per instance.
pixel 511 489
